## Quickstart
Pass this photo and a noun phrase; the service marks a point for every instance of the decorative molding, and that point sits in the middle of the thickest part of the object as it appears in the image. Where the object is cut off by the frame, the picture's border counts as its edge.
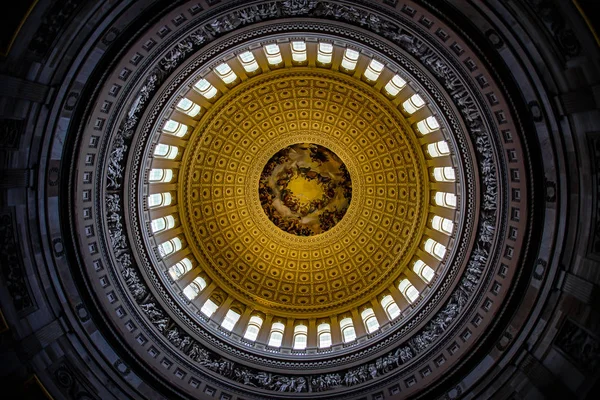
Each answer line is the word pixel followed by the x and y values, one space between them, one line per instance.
pixel 580 346
pixel 55 19
pixel 594 238
pixel 13 268
pixel 11 131
pixel 551 16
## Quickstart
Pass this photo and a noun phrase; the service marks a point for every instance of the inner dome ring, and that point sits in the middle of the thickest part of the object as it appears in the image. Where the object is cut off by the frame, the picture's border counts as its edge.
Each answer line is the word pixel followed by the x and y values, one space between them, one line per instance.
pixel 366 251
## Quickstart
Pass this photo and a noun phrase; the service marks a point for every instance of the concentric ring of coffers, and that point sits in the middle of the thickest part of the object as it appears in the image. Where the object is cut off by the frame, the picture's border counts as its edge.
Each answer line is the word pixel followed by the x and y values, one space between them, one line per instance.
pixel 301 277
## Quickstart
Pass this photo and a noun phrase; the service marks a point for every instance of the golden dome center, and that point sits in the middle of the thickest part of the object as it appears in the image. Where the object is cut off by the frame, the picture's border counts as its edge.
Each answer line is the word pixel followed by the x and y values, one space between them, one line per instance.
pixel 305 189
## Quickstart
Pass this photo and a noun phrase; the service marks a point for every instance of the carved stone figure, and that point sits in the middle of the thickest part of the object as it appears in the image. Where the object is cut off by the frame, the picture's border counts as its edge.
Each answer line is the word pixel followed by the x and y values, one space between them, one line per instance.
pixel 114 172
pixel 245 376
pixel 264 379
pixel 405 354
pixel 296 7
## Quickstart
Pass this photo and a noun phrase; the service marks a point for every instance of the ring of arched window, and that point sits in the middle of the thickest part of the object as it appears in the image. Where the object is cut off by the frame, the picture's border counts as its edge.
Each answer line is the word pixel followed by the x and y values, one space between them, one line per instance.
pixel 253 328
pixel 370 320
pixel 391 308
pixel 414 103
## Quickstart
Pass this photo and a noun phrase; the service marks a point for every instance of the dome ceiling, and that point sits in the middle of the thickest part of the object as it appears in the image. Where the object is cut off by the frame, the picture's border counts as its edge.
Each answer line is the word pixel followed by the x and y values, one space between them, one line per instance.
pixel 302 198
pixel 224 166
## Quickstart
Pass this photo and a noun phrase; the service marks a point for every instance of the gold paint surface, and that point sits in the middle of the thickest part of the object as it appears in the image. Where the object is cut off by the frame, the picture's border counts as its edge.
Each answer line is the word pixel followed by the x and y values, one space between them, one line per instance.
pixel 233 239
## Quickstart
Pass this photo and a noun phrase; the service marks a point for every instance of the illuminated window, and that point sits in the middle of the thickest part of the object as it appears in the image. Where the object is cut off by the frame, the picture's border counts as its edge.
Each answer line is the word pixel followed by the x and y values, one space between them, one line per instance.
pixel 408 290
pixel 373 70
pixel 435 249
pixel 395 85
pixel 158 175
pixel 159 199
pixel 205 88
pixel 413 104
pixel 175 128
pixel 180 268
pixel 300 337
pixel 444 174
pixel 391 308
pixel 226 74
pixel 253 328
pixel 231 318
pixel 298 51
pixel 192 290
pixel 324 335
pixel 248 61
pixel 276 335
pixel 273 54
pixel 169 247
pixel 442 224
pixel 445 199
pixel 162 224
pixel 166 151
pixel 369 319
pixel 423 270
pixel 188 107
pixel 427 125
pixel 209 308
pixel 347 329
pixel 350 59
pixel 438 149
pixel 325 53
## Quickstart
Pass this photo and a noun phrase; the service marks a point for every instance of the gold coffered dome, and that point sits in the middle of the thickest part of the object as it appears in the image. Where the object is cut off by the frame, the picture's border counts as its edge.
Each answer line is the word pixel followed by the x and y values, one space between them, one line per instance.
pixel 328 266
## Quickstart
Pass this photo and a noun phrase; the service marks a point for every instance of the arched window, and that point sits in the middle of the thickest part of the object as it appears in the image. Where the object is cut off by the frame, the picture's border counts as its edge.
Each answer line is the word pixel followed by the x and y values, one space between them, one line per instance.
pixel 350 59
pixel 160 175
pixel 298 51
pixel 427 125
pixel 444 174
pixel 175 128
pixel 192 290
pixel 188 107
pixel 205 88
pixel 276 335
pixel 273 54
pixel 445 199
pixel 180 268
pixel 423 270
pixel 253 328
pixel 373 70
pixel 208 308
pixel 347 329
pixel 226 74
pixel 369 319
pixel 169 247
pixel 300 337
pixel 395 85
pixel 438 149
pixel 324 335
pixel 166 151
pixel 434 248
pixel 231 318
pixel 248 61
pixel 391 308
pixel 413 104
pixel 408 290
pixel 325 53
pixel 441 224
pixel 162 224
pixel 159 199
